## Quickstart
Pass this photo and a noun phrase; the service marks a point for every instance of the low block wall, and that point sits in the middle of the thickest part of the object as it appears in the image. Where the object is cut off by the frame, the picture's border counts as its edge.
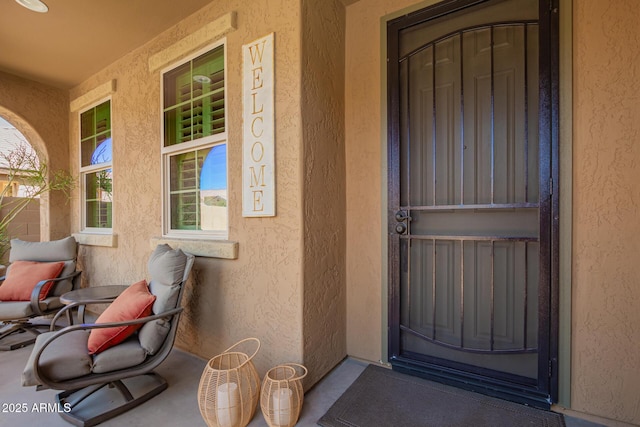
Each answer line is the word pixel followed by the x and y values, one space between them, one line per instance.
pixel 26 226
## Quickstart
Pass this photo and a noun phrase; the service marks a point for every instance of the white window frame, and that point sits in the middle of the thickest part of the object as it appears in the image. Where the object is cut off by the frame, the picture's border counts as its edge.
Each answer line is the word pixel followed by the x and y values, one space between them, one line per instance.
pixel 86 170
pixel 209 141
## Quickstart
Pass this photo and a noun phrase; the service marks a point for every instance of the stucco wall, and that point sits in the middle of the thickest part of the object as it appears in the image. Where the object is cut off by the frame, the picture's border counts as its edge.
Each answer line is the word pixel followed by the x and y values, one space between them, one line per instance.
pixel 260 293
pixel 366 177
pixel 40 113
pixel 26 225
pixel 323 188
pixel 605 374
pixel 606 200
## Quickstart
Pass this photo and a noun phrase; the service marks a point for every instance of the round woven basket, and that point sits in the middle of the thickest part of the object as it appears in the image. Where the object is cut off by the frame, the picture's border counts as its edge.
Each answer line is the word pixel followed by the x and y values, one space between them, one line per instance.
pixel 282 395
pixel 230 387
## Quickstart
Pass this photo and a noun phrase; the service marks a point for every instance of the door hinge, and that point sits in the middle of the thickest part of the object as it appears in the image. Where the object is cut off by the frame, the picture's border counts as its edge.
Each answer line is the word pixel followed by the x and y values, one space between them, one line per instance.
pixel 550 368
pixel 550 186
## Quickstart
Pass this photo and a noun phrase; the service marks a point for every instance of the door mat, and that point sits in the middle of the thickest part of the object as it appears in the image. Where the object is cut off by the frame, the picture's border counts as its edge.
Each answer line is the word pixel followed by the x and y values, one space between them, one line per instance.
pixel 383 398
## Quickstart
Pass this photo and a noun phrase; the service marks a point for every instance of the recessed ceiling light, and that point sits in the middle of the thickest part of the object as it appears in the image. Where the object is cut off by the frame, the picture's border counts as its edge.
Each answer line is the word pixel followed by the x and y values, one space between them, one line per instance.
pixel 201 79
pixel 35 5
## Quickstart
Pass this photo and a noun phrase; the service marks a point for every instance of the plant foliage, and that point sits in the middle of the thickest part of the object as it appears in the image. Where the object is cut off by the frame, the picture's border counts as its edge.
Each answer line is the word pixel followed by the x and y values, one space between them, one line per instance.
pixel 22 166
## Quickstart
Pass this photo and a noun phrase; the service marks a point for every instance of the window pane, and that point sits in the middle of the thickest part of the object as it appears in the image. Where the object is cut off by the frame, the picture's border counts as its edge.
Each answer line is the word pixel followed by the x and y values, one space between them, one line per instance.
pixel 198 190
pixel 178 78
pixel 95 128
pixel 87 147
pixel 102 153
pixel 103 117
pixel 209 70
pixel 87 121
pixel 213 190
pixel 98 199
pixel 194 99
pixel 171 127
pixel 184 191
pixel 209 64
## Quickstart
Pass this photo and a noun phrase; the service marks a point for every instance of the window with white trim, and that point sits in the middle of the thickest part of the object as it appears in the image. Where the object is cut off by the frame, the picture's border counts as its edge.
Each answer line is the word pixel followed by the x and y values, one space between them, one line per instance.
pixel 96 176
pixel 194 147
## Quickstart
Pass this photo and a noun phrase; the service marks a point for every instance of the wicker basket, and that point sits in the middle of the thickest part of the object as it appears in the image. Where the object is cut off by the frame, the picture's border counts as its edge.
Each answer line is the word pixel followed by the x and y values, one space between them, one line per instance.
pixel 282 395
pixel 229 388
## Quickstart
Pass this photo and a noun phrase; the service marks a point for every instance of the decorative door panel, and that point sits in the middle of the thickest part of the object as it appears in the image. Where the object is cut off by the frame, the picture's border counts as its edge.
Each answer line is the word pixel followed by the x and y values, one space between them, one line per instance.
pixel 467 219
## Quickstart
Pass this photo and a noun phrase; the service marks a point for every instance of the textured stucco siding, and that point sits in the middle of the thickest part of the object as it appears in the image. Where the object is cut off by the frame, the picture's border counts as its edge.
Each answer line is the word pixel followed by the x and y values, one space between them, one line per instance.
pixel 605 356
pixel 606 201
pixel 40 113
pixel 323 25
pixel 365 121
pixel 310 282
pixel 259 294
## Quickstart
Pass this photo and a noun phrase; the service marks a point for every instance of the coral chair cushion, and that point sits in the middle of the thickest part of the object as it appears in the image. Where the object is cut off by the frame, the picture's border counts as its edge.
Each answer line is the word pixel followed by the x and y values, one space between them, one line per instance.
pixel 52 251
pixel 23 276
pixel 135 302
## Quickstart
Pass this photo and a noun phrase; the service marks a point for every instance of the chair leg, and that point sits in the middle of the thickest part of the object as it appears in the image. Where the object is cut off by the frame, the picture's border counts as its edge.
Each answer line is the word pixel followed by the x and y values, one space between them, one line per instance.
pixel 17 335
pixel 95 404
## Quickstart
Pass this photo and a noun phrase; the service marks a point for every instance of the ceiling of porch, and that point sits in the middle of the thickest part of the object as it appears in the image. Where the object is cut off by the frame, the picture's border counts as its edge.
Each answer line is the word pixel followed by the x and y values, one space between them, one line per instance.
pixel 76 38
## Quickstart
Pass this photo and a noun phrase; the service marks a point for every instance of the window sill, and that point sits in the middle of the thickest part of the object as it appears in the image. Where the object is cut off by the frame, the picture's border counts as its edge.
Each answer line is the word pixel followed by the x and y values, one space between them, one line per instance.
pixel 96 239
pixel 224 249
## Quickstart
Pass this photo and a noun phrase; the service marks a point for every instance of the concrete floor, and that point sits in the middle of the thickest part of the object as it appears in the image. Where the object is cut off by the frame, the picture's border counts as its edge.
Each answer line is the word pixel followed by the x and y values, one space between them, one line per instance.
pixel 176 406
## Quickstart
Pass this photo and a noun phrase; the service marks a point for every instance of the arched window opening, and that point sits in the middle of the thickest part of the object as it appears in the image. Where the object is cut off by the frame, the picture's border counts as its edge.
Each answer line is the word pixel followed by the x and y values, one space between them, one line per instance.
pixel 17 158
pixel 19 188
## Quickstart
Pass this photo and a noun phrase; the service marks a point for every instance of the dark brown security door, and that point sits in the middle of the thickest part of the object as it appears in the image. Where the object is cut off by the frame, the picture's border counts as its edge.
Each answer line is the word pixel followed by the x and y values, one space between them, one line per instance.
pixel 470 197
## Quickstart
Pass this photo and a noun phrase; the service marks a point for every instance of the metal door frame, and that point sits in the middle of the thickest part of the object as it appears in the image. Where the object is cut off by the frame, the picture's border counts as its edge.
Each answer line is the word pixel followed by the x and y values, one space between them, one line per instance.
pixel 545 390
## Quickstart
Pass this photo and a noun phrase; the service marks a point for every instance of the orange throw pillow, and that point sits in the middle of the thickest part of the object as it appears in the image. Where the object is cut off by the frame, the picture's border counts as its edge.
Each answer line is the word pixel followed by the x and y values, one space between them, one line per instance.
pixel 23 276
pixel 135 302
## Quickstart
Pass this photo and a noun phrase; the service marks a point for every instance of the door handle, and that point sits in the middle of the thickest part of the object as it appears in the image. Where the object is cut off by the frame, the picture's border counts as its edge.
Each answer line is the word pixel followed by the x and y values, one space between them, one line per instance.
pixel 401 215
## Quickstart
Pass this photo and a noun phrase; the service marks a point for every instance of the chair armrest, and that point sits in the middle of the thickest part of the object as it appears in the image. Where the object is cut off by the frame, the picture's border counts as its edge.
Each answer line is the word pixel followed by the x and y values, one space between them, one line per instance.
pixel 73 305
pixel 87 326
pixel 163 315
pixel 35 294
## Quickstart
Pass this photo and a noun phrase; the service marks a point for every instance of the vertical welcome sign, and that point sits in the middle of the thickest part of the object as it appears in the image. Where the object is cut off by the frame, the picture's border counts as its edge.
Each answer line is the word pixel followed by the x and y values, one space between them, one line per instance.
pixel 258 166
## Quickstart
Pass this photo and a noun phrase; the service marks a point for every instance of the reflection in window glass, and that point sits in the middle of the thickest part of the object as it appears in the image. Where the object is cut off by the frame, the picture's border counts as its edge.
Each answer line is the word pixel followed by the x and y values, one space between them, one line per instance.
pixel 98 197
pixel 194 146
pixel 95 166
pixel 198 189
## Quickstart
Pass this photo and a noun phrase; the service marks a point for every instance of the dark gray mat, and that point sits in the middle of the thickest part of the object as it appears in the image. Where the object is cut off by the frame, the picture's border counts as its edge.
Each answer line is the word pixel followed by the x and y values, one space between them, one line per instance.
pixel 381 397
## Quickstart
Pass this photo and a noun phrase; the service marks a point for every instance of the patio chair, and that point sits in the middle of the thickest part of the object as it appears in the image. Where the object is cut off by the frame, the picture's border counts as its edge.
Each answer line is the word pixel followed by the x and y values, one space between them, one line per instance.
pixel 38 274
pixel 102 372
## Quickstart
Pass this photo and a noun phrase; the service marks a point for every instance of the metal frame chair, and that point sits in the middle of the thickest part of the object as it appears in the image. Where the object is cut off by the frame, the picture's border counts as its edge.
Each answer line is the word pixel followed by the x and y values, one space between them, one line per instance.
pixel 19 329
pixel 96 397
